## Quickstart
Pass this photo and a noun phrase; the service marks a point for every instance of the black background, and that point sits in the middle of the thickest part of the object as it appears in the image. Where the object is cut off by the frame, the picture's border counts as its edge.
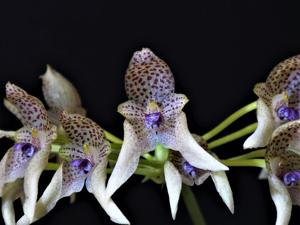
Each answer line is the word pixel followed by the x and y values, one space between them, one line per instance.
pixel 217 51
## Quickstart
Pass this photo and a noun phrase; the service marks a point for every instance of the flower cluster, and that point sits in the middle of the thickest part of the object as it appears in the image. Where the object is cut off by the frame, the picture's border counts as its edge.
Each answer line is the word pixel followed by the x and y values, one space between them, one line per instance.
pixel 157 143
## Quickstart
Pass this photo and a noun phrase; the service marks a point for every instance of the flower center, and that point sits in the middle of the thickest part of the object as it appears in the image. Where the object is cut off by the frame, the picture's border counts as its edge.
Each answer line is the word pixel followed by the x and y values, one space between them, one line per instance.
pixel 189 169
pixel 291 178
pixel 287 113
pixel 152 119
pixel 84 165
pixel 27 149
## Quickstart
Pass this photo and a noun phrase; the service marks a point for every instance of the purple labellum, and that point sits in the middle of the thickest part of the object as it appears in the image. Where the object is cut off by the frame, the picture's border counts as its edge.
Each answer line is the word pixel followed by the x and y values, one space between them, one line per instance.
pixel 83 164
pixel 287 113
pixel 291 178
pixel 27 149
pixel 189 169
pixel 152 119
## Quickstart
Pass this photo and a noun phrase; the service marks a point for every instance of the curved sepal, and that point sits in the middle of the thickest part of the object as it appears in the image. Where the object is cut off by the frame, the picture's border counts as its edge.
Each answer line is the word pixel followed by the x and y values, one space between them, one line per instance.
pixel 31 179
pixel 98 178
pixel 281 199
pixel 223 188
pixel 127 161
pixel 11 192
pixel 174 185
pixel 180 139
pixel 265 127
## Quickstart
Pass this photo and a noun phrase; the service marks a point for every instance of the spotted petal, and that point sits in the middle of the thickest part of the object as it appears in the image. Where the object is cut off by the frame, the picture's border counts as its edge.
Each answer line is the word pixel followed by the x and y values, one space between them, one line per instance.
pixel 265 127
pixel 98 178
pixel 179 138
pixel 173 104
pixel 148 78
pixel 174 184
pixel 28 109
pixel 132 111
pixel 282 200
pixel 12 191
pixel 60 93
pixel 128 159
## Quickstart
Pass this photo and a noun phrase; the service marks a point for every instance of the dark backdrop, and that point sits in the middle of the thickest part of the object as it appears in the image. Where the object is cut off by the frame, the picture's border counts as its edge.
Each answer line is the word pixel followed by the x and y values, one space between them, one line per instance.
pixel 217 50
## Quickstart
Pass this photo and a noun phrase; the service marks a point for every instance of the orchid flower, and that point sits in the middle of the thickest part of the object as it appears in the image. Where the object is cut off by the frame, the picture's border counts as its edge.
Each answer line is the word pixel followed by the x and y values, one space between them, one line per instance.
pixel 278 101
pixel 283 166
pixel 178 170
pixel 60 94
pixel 84 162
pixel 154 116
pixel 24 162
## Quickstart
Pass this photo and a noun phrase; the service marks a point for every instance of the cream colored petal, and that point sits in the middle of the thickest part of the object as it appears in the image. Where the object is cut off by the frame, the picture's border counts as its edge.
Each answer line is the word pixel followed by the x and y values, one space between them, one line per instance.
pixel 31 179
pixel 7 134
pixel 223 188
pixel 11 192
pixel 281 199
pixel 98 178
pixel 265 127
pixel 127 161
pixel 60 93
pixel 174 184
pixel 263 175
pixel 184 142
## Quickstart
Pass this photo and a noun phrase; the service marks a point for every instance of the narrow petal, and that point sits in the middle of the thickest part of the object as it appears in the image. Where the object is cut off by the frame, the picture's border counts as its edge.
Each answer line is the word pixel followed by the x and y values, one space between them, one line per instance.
pixel 148 78
pixel 174 184
pixel 127 161
pixel 31 179
pixel 223 187
pixel 281 199
pixel 180 139
pixel 11 193
pixel 60 93
pixel 265 127
pixel 30 110
pixel 98 178
pixel 173 104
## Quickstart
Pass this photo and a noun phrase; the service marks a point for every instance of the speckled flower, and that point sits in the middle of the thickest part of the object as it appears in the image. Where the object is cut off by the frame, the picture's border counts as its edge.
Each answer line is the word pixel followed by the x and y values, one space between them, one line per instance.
pixel 84 162
pixel 154 116
pixel 279 101
pixel 178 170
pixel 60 94
pixel 28 157
pixel 283 167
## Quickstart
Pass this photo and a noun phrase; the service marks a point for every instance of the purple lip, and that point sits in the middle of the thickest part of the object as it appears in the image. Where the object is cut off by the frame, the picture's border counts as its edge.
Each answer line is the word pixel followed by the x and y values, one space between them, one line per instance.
pixel 152 119
pixel 27 149
pixel 291 178
pixel 189 169
pixel 287 113
pixel 83 164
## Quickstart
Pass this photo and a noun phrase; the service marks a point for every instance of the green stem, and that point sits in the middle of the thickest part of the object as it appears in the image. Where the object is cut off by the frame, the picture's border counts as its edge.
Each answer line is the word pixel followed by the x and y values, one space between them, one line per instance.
pixel 112 138
pixel 229 120
pixel 192 206
pixel 253 154
pixel 52 166
pixel 233 136
pixel 245 162
pixel 55 148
